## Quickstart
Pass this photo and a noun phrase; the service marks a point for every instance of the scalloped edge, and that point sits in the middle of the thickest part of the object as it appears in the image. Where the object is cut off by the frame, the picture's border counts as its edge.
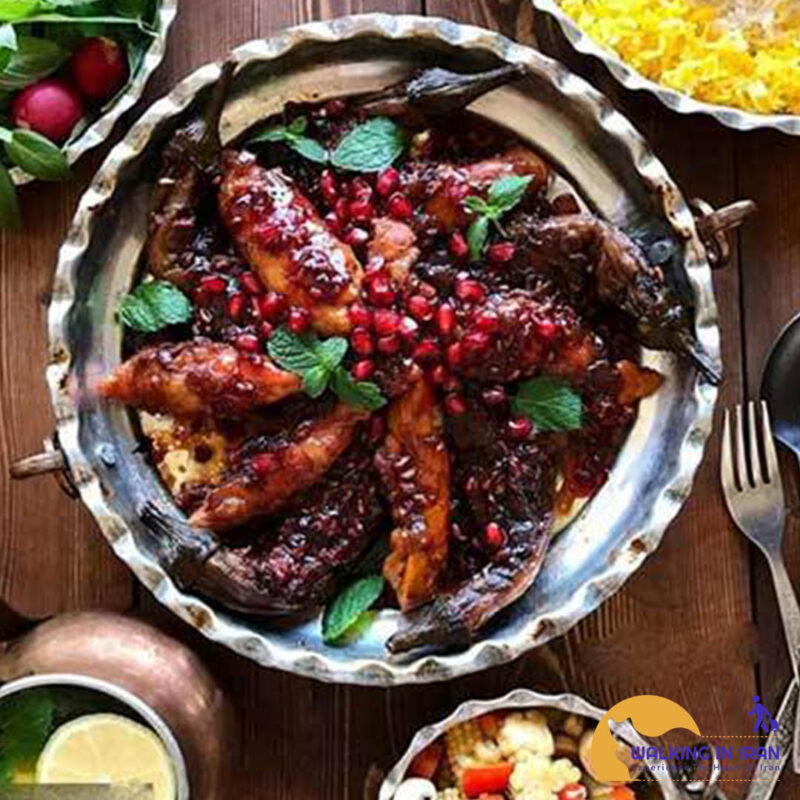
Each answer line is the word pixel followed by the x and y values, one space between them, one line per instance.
pixel 257 646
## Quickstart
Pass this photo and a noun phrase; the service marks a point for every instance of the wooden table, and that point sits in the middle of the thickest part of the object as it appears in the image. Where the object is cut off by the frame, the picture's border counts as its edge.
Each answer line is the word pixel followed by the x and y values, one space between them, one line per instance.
pixel 698 623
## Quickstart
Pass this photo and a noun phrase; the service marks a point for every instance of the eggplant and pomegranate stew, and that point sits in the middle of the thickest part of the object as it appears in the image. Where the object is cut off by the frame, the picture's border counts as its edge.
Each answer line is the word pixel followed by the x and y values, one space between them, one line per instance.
pixel 376 324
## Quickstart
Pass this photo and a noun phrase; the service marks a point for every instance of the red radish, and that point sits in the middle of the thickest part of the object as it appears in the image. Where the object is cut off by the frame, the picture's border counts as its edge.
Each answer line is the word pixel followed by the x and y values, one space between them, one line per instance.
pixel 99 68
pixel 50 107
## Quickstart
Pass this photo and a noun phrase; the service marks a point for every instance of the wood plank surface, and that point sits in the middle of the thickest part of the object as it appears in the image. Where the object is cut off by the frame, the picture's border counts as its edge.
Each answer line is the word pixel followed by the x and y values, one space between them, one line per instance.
pixel 687 626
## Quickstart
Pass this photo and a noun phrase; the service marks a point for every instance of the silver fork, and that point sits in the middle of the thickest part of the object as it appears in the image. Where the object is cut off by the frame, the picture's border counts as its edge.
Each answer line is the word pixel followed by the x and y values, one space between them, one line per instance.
pixel 755 501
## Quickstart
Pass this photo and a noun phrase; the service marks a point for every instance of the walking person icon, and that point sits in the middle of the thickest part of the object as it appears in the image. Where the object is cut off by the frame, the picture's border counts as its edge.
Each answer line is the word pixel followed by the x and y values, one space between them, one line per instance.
pixel 763 717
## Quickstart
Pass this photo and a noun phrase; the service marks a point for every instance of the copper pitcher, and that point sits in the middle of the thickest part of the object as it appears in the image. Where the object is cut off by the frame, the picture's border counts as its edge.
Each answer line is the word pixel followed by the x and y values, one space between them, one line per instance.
pixel 99 650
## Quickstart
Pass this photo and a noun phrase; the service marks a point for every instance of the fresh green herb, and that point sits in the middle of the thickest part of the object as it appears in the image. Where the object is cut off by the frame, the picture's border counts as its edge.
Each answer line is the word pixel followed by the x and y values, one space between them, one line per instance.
pixel 359 394
pixel 36 155
pixel 9 207
pixel 13 10
pixel 319 363
pixel 551 404
pixel 33 59
pixel 293 136
pixel 370 147
pixel 25 723
pixel 154 305
pixel 504 194
pixel 349 607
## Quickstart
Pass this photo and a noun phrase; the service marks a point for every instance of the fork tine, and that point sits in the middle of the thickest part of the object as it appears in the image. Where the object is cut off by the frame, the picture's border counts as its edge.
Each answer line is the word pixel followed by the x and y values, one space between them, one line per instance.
pixel 756 471
pixel 741 454
pixel 770 453
pixel 726 459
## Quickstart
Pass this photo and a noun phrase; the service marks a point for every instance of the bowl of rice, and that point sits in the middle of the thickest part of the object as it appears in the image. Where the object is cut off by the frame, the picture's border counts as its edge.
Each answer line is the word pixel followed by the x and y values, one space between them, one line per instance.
pixel 737 60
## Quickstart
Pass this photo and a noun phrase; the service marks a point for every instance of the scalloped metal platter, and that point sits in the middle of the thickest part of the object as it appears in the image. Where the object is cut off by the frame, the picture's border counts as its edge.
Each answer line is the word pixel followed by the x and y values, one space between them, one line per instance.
pixel 99 130
pixel 594 148
pixel 678 101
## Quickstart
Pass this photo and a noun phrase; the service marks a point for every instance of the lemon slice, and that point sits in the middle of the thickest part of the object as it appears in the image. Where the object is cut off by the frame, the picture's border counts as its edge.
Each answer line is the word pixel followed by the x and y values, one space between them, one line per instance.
pixel 109 749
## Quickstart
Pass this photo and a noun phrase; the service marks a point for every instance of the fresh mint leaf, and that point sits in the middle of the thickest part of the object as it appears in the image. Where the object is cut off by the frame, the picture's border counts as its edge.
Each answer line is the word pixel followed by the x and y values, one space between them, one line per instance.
pixel 477 205
pixel 13 10
pixel 359 394
pixel 37 155
pixel 370 147
pixel 293 137
pixel 9 206
pixel 292 352
pixel 550 403
pixel 26 719
pixel 331 351
pixel 34 58
pixel 477 235
pixel 506 192
pixel 315 380
pixel 346 610
pixel 154 305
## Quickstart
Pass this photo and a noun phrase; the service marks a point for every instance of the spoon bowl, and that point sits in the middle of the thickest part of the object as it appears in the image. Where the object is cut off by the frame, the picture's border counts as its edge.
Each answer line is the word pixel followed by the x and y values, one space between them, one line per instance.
pixel 780 386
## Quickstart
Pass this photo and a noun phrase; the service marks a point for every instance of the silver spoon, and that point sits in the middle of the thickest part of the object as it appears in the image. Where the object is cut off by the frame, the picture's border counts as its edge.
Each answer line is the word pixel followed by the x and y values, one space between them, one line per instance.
pixel 780 386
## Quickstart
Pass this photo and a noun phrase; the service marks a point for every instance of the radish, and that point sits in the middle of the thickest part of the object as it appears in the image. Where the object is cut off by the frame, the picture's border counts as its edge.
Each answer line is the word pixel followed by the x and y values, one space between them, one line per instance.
pixel 51 107
pixel 99 68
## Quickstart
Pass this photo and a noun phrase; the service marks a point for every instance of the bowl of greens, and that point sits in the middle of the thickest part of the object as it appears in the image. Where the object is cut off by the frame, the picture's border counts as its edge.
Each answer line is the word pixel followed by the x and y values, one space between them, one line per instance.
pixel 68 70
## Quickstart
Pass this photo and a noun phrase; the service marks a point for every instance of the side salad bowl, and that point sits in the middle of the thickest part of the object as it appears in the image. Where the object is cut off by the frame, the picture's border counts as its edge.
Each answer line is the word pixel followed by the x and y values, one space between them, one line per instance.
pixel 595 150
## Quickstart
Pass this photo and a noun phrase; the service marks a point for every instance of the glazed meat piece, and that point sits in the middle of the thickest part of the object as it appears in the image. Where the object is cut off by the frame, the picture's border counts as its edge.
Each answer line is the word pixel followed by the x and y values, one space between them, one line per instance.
pixel 296 564
pixel 199 378
pixel 415 468
pixel 581 245
pixel 394 244
pixel 444 191
pixel 266 481
pixel 278 231
pixel 190 160
pixel 510 493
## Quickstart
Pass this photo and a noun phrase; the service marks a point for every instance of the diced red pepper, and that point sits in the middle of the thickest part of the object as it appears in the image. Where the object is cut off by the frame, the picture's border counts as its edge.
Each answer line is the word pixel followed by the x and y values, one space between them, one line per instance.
pixel 426 762
pixel 573 791
pixel 622 793
pixel 485 780
pixel 490 723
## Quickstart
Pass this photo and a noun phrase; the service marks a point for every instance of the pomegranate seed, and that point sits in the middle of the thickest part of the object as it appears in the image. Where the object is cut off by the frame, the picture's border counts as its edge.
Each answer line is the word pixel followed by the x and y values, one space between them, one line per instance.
pixel 389 344
pixel 265 330
pixel 439 374
pixel 356 237
pixel 330 189
pixel 469 290
pixel 546 329
pixel 247 343
pixel 361 210
pixel 255 308
pixel 476 343
pixel 251 283
pixel 519 428
pixel 342 210
pixel 420 307
pixel 455 405
pixel 387 182
pixel 363 369
pixel 359 315
pixel 386 321
pixel 264 464
pixel 400 207
pixel 213 284
pixel 235 305
pixel 380 290
pixel 494 396
pixel 201 297
pixel 455 354
pixel 361 340
pixel 273 305
pixel 408 329
pixel 446 319
pixel 359 189
pixel 495 536
pixel 335 107
pixel 377 428
pixel 458 245
pixel 427 351
pixel 332 221
pixel 502 252
pixel 487 321
pixel 299 320
pixel 452 384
